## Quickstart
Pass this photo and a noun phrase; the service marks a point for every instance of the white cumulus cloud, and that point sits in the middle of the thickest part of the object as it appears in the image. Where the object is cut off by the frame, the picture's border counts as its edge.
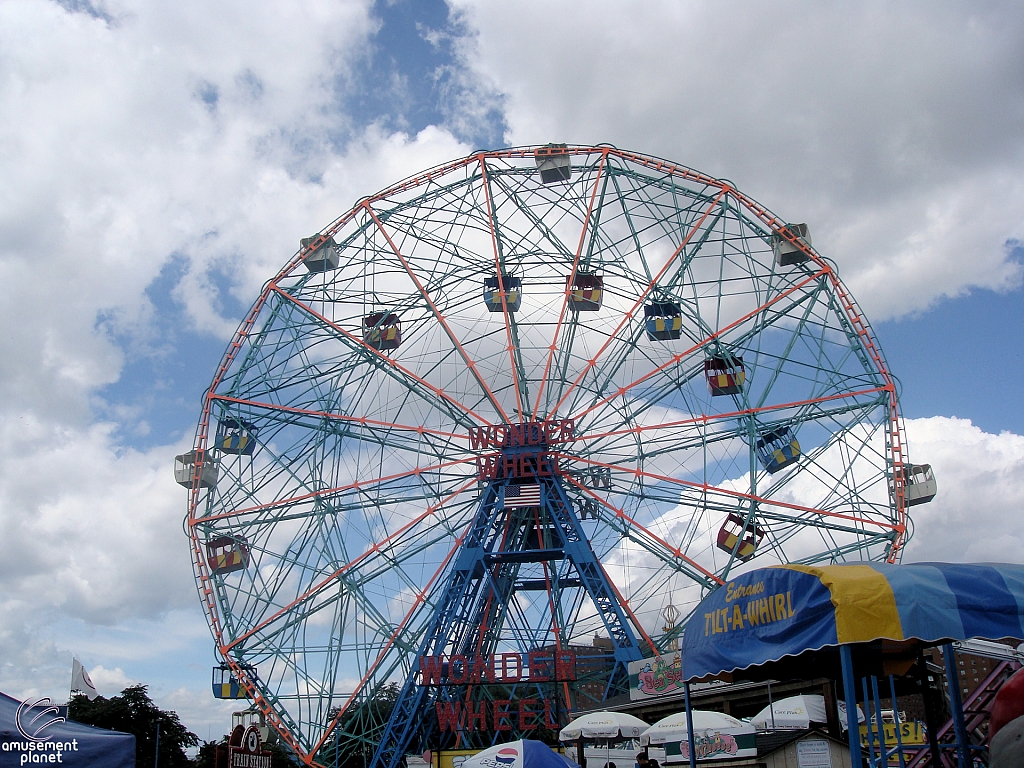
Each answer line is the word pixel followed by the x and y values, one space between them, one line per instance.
pixel 130 137
pixel 893 130
pixel 976 514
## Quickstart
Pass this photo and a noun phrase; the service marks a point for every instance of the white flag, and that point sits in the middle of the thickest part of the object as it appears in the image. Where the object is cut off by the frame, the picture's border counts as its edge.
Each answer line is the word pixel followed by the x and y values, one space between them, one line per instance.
pixel 80 681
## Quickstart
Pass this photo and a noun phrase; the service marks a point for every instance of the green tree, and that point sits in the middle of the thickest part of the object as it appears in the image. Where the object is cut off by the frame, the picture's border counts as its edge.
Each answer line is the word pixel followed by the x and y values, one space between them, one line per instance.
pixel 207 757
pixel 359 730
pixel 134 712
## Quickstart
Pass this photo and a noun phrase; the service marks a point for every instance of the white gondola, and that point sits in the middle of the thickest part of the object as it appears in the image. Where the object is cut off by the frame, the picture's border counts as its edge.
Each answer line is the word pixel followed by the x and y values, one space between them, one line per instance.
pixel 919 485
pixel 185 466
pixel 787 253
pixel 322 258
pixel 553 163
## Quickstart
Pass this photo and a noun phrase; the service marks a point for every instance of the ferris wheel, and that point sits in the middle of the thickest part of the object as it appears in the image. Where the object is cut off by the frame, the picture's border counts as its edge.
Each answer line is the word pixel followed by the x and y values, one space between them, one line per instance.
pixel 695 385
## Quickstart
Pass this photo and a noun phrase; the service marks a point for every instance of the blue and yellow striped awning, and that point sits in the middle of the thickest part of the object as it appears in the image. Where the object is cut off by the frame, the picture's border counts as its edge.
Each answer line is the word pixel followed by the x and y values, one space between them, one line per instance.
pixel 772 613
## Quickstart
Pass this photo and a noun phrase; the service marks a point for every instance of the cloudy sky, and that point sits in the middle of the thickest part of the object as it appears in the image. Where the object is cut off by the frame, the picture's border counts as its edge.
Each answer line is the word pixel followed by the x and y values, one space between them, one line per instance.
pixel 160 160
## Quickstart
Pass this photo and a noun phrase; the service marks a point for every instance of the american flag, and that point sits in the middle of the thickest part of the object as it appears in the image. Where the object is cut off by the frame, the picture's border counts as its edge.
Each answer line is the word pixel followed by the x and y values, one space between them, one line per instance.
pixel 526 495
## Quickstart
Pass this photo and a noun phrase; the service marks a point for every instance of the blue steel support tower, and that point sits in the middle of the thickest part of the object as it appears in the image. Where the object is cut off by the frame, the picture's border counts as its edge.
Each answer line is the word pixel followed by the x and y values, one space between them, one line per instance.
pixel 524 521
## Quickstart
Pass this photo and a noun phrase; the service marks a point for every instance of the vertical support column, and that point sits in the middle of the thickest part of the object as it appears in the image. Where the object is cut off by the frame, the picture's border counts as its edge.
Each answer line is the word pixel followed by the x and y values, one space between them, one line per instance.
pixel 689 725
pixel 931 719
pixel 850 693
pixel 482 579
pixel 877 703
pixel 868 714
pixel 899 725
pixel 828 693
pixel 957 705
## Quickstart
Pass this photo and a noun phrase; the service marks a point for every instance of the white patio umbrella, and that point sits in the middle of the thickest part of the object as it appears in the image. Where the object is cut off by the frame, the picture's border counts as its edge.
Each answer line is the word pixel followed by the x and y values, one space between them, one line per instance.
pixel 798 712
pixel 603 725
pixel 673 727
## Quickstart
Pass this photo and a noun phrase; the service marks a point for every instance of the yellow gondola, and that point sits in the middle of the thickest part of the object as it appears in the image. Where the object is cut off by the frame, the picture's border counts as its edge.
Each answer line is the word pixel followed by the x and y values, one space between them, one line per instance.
pixel 382 331
pixel 725 375
pixel 663 320
pixel 227 554
pixel 586 292
pixel 733 530
pixel 494 287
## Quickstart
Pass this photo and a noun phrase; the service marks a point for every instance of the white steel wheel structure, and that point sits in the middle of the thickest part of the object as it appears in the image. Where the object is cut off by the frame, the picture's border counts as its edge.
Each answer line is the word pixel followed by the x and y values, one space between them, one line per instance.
pixel 726 406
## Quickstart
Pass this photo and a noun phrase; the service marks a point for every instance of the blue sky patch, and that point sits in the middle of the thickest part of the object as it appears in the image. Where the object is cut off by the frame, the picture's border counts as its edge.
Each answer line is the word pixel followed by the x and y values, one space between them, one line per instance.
pixel 411 77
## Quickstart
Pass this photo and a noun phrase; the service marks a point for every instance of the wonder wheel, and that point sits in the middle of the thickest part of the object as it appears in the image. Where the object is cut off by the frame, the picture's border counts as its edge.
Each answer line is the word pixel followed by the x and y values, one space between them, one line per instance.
pixel 598 352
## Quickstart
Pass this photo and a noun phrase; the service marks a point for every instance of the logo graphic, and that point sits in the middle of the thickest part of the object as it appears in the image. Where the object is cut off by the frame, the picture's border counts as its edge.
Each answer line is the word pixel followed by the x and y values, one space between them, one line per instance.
pixel 665 676
pixel 709 744
pixel 31 728
pixel 506 756
pixel 252 740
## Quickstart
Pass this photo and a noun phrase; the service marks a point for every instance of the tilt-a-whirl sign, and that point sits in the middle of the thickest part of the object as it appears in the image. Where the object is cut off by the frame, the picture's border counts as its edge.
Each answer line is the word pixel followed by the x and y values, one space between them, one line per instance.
pixel 747 606
pixel 787 610
pixel 759 616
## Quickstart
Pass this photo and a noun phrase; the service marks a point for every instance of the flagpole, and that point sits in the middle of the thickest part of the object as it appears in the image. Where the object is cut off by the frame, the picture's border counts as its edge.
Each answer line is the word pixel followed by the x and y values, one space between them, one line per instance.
pixel 689 725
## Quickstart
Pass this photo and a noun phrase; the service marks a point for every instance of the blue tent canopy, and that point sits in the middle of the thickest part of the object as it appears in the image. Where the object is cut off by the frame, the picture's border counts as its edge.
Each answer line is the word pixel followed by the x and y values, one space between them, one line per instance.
pixel 792 612
pixel 40 739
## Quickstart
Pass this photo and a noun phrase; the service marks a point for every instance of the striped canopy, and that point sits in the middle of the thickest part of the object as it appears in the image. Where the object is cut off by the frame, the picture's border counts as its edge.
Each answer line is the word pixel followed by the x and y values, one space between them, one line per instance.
pixel 784 611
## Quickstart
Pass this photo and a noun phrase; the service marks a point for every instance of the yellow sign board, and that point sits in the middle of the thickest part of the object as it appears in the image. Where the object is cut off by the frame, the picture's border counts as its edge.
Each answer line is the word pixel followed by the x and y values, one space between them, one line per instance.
pixel 452 758
pixel 911 734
